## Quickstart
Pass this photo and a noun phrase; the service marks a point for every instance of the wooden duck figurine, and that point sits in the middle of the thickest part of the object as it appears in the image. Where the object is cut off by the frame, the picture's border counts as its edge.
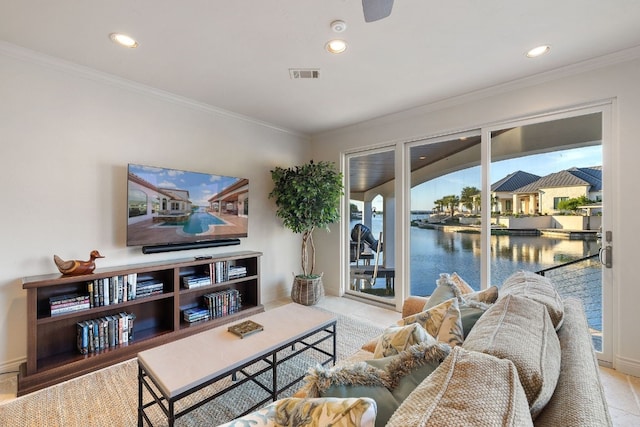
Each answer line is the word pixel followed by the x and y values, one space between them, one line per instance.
pixel 76 267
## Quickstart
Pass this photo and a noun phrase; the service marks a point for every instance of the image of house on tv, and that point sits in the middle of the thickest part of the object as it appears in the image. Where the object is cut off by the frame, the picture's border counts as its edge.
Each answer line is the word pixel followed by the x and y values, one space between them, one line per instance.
pixel 146 201
pixel 233 200
pixel 178 206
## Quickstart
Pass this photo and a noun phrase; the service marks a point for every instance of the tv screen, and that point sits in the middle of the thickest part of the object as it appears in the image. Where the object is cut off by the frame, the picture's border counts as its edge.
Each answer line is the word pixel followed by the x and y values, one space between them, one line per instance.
pixel 169 206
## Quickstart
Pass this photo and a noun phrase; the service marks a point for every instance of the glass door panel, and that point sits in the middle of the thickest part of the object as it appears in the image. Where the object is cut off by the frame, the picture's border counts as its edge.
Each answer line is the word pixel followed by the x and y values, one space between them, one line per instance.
pixel 371 198
pixel 445 203
pixel 547 207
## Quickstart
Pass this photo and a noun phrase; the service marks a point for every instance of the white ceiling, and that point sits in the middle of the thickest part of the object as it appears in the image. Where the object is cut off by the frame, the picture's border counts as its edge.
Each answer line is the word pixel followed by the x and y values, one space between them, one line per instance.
pixel 236 54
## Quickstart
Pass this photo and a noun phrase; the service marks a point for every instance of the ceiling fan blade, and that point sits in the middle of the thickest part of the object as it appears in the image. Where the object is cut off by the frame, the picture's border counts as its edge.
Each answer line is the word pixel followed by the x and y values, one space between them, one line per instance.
pixel 376 9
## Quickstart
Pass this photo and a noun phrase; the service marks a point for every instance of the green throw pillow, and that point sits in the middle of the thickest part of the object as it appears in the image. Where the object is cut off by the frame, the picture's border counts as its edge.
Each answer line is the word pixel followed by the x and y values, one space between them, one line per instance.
pixel 388 380
pixel 445 290
pixel 469 315
pixel 410 367
pixel 354 380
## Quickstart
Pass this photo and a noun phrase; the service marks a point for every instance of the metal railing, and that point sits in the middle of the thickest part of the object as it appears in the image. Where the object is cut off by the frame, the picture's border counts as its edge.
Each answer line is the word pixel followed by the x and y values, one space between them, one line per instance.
pixel 581 279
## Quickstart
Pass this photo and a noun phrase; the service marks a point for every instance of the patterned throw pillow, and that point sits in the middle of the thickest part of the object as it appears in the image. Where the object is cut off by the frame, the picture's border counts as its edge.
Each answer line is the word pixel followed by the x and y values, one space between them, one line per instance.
pixel 455 287
pixel 312 412
pixel 442 322
pixel 487 296
pixel 398 338
pixel 464 287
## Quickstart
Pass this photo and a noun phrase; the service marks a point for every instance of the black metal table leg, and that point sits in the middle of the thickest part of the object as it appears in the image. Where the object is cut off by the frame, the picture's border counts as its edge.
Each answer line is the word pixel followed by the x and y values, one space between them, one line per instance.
pixel 140 402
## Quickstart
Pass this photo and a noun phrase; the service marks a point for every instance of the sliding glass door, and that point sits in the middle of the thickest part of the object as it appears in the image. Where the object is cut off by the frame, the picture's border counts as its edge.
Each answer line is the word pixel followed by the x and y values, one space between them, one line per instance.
pixel 531 194
pixel 548 209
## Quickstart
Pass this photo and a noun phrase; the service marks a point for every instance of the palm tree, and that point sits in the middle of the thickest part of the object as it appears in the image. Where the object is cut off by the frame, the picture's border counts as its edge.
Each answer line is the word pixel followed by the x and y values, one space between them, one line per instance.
pixel 451 202
pixel 439 204
pixel 467 197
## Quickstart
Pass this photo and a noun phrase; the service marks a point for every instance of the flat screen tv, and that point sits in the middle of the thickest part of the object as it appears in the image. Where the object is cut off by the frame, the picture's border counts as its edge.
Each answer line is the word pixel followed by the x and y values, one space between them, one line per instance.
pixel 173 209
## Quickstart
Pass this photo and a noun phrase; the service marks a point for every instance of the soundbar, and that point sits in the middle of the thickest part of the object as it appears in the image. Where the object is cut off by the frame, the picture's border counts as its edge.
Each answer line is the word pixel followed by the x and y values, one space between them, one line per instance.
pixel 170 247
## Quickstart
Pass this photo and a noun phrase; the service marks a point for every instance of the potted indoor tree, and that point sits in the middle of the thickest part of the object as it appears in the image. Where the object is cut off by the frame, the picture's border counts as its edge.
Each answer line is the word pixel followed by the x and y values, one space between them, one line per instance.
pixel 307 197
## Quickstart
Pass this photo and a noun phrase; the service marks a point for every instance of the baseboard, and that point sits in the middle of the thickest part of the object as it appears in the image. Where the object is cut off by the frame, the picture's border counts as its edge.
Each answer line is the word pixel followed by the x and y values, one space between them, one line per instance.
pixel 12 366
pixel 627 366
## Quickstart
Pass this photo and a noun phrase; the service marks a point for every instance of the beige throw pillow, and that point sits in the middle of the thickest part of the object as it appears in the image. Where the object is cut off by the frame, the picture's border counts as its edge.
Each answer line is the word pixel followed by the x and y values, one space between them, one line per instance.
pixel 538 288
pixel 520 329
pixel 467 389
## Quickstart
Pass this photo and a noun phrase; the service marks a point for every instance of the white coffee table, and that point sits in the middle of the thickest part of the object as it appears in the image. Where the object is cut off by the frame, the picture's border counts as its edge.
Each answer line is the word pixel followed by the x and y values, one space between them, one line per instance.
pixel 182 367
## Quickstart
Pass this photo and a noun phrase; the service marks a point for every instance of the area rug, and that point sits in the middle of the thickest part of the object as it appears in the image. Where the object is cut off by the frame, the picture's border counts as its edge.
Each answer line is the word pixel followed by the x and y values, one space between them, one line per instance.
pixel 109 397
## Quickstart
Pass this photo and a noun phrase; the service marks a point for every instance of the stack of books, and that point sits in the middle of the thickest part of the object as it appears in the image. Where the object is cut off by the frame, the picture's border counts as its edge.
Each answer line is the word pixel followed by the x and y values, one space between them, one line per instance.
pixel 237 271
pixel 96 335
pixel 149 287
pixel 218 271
pixel 69 303
pixel 112 290
pixel 196 314
pixel 222 303
pixel 222 271
pixel 196 281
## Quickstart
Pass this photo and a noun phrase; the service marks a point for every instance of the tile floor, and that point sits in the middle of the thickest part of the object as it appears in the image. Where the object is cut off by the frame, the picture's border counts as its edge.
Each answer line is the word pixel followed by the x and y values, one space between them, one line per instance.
pixel 622 391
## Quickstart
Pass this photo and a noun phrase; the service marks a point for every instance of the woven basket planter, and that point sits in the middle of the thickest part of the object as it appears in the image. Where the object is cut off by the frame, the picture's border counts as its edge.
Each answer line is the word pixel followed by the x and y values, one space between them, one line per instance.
pixel 307 291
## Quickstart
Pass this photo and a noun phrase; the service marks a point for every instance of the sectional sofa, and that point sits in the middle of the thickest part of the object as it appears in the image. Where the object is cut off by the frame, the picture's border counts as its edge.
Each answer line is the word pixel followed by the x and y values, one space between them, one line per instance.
pixel 515 356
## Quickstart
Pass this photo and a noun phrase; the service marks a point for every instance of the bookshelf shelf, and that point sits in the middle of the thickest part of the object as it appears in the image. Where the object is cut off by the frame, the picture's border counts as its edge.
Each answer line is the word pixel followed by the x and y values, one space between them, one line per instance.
pixel 52 341
pixel 97 311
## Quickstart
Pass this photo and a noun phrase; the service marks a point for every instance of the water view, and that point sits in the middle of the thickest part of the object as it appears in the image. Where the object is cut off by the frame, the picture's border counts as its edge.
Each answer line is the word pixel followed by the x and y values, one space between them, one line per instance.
pixel 434 252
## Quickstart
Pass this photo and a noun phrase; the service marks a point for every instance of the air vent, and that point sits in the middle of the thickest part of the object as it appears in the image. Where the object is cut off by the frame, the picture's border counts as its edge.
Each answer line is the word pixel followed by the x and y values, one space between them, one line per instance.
pixel 304 73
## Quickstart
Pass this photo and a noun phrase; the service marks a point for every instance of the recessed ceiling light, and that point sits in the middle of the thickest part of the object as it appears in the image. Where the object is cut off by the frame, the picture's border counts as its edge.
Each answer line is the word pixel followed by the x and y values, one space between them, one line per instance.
pixel 123 40
pixel 537 51
pixel 336 46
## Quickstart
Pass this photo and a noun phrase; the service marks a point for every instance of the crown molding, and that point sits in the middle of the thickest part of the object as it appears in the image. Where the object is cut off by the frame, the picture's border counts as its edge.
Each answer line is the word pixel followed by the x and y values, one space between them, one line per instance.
pixel 27 55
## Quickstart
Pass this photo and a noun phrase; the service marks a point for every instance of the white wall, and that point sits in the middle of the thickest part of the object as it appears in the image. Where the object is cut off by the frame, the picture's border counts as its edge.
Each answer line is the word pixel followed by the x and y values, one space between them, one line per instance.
pixel 589 83
pixel 66 136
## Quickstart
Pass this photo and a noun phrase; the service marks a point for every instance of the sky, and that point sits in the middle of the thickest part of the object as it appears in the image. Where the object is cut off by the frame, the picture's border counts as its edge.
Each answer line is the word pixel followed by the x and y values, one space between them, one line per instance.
pixel 423 195
pixel 201 186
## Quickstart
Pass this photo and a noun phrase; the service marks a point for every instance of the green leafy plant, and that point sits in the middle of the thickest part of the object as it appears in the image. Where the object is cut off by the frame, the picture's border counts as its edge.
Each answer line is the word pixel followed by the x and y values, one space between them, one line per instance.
pixel 307 197
pixel 572 204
